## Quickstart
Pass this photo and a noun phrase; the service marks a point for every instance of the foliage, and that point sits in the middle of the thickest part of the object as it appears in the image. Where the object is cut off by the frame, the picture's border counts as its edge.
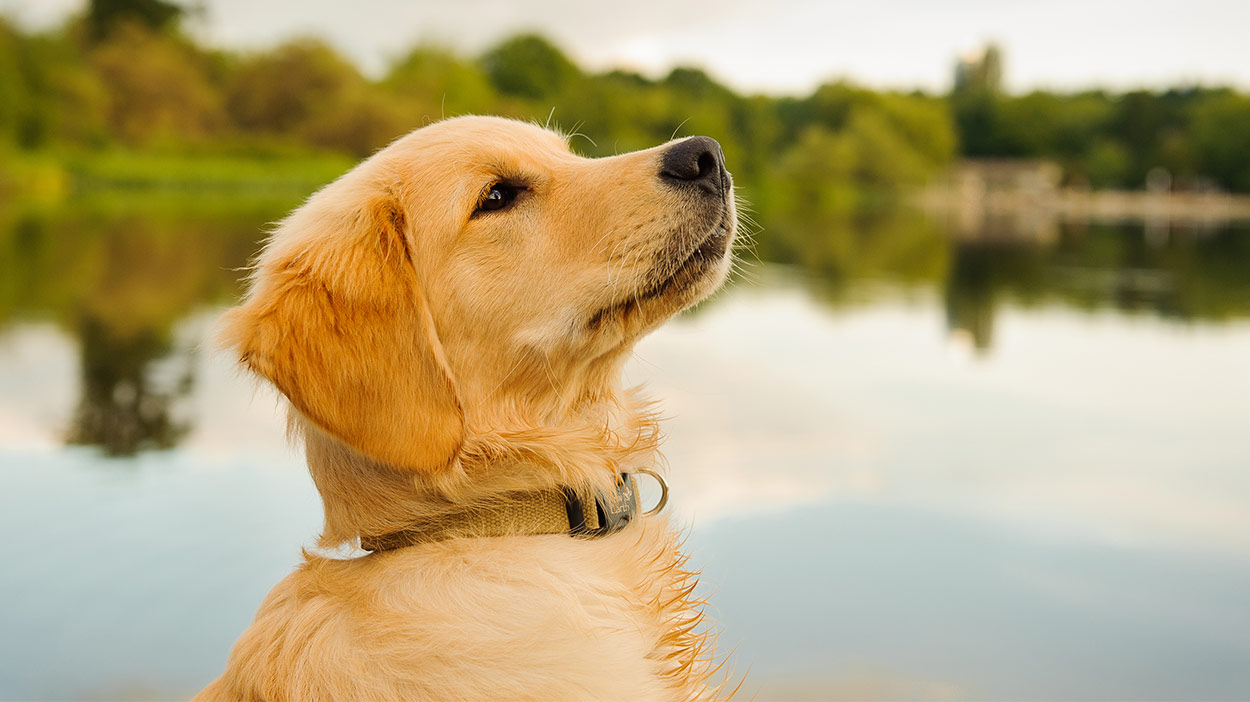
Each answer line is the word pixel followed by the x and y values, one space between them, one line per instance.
pixel 279 90
pixel 175 155
pixel 127 169
pixel 1221 138
pixel 158 88
pixel 47 93
pixel 1199 135
pixel 432 78
pixel 104 15
pixel 528 66
pixel 142 85
pixel 125 79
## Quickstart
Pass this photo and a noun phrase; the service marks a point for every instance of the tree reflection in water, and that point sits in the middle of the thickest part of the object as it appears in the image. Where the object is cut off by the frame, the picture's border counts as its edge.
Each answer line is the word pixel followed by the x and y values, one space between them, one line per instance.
pixel 1190 274
pixel 122 408
pixel 121 272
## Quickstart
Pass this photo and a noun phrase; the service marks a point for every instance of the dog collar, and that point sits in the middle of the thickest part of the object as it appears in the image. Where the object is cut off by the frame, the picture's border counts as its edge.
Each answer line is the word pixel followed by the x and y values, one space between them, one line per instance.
pixel 532 513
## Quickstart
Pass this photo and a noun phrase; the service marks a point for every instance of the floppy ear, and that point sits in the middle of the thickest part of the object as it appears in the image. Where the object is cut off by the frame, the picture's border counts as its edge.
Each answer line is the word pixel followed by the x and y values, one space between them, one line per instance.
pixel 336 319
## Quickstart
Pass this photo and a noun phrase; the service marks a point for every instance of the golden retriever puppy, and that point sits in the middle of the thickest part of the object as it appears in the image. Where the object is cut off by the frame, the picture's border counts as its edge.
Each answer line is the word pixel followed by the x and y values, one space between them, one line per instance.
pixel 449 321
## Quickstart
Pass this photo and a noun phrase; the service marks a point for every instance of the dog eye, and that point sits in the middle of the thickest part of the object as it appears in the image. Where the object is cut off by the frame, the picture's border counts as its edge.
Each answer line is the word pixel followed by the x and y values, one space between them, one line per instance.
pixel 497 197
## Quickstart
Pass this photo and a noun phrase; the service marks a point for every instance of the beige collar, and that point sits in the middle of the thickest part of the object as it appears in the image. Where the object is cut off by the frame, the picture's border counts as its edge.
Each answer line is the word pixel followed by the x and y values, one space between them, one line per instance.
pixel 531 513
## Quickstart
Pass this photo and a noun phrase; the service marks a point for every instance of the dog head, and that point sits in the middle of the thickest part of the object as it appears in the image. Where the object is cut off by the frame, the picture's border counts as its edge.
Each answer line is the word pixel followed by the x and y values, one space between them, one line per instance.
pixel 475 266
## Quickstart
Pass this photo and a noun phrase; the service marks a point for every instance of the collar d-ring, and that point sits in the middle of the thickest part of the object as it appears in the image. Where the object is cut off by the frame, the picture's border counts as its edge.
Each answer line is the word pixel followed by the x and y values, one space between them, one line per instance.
pixel 659 506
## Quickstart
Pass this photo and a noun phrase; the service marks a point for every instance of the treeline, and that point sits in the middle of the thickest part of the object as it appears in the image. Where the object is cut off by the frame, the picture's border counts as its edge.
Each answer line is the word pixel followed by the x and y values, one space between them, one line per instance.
pixel 150 89
pixel 124 77
pixel 1191 139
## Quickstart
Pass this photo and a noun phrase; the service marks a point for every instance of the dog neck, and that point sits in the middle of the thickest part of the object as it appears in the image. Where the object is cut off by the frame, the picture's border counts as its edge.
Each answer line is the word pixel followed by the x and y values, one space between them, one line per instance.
pixel 531 513
pixel 364 498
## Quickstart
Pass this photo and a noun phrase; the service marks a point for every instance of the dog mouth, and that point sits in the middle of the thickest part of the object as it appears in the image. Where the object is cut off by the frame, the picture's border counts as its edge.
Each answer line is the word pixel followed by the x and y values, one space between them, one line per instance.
pixel 705 256
pixel 709 252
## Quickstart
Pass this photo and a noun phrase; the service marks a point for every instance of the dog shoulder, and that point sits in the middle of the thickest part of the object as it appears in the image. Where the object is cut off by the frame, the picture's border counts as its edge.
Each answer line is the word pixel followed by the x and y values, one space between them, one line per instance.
pixel 547 618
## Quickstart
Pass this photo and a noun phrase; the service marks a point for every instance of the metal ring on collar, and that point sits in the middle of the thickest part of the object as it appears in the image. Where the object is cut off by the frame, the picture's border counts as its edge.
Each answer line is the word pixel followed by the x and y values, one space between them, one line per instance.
pixel 663 492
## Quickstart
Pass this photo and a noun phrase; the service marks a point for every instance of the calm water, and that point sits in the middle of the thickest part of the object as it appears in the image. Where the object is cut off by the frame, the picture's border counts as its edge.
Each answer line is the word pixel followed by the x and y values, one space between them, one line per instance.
pixel 914 465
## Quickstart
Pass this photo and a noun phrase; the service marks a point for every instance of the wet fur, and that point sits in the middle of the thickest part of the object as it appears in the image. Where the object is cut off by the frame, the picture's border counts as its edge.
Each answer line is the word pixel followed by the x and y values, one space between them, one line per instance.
pixel 435 358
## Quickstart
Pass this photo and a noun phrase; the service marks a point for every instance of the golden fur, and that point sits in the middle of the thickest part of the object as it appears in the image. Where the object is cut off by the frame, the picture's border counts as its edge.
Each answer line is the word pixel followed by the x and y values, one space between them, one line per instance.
pixel 437 355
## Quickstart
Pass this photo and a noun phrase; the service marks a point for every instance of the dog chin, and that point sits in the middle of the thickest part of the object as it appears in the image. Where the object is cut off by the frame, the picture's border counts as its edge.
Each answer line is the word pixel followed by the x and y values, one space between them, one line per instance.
pixel 704 269
pixel 696 277
pixel 699 274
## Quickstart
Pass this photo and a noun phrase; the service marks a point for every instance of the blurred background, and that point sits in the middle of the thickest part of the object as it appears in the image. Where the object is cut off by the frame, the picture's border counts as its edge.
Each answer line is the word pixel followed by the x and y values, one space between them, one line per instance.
pixel 971 424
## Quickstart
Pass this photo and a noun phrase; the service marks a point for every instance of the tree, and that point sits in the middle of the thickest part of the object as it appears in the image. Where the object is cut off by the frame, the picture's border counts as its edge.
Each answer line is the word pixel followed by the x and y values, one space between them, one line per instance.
pixel 1221 134
pixel 14 95
pixel 440 83
pixel 48 95
pixel 104 15
pixel 359 125
pixel 158 86
pixel 276 91
pixel 529 66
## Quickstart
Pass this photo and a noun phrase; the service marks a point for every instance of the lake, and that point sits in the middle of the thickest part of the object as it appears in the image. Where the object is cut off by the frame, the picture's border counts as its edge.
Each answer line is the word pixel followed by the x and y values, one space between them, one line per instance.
pixel 915 461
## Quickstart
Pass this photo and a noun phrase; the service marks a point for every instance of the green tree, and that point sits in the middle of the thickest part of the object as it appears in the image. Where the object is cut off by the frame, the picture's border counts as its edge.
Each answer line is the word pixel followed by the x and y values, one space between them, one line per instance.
pixel 976 120
pixel 438 83
pixel 1221 137
pixel 279 90
pixel 1108 164
pixel 529 66
pixel 104 15
pixel 361 123
pixel 158 87
pixel 14 94
pixel 923 123
pixel 57 98
pixel 885 158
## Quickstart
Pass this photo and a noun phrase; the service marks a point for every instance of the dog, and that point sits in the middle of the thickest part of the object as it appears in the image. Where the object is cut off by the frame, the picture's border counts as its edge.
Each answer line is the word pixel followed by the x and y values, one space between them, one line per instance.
pixel 449 321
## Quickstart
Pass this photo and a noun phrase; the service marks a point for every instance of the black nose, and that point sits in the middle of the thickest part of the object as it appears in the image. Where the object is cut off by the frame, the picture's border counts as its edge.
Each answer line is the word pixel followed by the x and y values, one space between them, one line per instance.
pixel 696 162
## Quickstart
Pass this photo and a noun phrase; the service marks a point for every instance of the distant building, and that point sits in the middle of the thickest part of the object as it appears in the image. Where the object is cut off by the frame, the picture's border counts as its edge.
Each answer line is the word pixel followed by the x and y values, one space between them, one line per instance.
pixel 999 198
pixel 978 178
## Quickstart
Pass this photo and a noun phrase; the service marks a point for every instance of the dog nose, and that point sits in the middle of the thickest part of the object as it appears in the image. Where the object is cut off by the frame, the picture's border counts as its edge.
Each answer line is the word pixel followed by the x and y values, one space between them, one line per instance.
pixel 697 162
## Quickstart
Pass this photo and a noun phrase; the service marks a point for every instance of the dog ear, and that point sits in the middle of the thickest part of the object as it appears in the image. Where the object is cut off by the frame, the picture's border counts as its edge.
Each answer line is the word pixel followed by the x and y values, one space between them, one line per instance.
pixel 337 320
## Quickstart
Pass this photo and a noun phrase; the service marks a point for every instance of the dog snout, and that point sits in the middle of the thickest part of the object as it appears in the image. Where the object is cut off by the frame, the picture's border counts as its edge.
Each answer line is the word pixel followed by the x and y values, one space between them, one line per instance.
pixel 696 162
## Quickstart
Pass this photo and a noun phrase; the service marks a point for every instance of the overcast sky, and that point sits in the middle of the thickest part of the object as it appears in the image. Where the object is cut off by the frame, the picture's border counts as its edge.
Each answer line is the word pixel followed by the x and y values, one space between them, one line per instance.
pixel 777 46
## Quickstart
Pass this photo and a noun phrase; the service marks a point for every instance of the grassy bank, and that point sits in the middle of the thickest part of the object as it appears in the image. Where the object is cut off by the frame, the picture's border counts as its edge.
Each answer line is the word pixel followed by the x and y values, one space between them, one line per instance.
pixel 53 176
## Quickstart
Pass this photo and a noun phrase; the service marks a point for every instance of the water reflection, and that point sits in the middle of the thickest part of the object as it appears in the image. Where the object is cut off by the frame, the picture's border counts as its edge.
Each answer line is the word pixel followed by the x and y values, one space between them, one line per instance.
pixel 1189 273
pixel 119 271
pixel 843 252
pixel 941 528
pixel 981 273
pixel 122 407
pixel 118 276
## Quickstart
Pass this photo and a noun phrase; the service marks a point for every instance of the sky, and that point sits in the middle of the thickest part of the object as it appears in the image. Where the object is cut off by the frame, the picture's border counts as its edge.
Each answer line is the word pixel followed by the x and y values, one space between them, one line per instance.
pixel 772 46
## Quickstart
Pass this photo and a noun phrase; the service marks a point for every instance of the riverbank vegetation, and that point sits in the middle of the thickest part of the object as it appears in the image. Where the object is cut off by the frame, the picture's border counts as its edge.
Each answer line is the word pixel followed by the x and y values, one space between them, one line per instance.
pixel 138 167
pixel 120 96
